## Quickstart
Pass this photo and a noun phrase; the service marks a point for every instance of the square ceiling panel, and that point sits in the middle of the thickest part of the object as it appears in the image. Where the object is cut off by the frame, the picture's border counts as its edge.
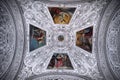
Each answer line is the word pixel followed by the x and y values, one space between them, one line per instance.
pixel 37 38
pixel 60 61
pixel 61 15
pixel 84 39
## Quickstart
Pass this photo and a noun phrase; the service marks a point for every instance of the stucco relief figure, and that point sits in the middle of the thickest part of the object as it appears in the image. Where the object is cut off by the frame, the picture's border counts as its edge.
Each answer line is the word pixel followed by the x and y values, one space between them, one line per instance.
pixel 61 15
pixel 60 61
pixel 84 39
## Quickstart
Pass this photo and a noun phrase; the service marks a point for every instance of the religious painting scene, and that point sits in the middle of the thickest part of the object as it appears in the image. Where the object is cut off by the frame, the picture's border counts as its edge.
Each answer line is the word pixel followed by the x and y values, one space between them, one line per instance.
pixel 84 39
pixel 61 15
pixel 37 38
pixel 60 61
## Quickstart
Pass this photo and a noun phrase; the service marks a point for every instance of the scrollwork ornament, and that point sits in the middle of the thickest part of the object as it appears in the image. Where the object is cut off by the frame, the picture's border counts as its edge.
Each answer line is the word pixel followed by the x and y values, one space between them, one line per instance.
pixel 36 13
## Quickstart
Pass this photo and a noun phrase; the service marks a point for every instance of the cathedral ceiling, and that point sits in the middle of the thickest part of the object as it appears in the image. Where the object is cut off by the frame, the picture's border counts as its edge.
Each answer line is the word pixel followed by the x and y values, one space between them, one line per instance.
pixel 59 39
pixel 63 27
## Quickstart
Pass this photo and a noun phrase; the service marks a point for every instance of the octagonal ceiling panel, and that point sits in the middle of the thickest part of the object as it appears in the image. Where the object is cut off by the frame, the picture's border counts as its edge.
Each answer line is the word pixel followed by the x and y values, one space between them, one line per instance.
pixel 37 38
pixel 84 39
pixel 61 15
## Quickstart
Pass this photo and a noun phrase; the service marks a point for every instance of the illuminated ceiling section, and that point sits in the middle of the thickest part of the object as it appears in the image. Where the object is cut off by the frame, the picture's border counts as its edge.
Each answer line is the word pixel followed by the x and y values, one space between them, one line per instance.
pixel 84 39
pixel 61 15
pixel 37 38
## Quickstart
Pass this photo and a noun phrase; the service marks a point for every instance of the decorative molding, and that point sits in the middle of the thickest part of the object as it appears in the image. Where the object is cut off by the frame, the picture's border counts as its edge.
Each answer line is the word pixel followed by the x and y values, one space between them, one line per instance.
pixel 37 14
pixel 7 39
pixel 106 44
pixel 11 39
pixel 113 44
pixel 57 75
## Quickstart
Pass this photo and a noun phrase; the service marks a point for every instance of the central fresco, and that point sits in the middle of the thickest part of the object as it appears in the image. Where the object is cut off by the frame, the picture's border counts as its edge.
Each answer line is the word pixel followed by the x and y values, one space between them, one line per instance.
pixel 60 39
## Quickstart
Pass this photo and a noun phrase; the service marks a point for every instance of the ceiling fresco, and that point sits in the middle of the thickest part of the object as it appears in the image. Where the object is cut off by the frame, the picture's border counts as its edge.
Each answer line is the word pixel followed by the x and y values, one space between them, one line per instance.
pixel 37 38
pixel 84 39
pixel 67 33
pixel 61 15
pixel 60 61
pixel 59 39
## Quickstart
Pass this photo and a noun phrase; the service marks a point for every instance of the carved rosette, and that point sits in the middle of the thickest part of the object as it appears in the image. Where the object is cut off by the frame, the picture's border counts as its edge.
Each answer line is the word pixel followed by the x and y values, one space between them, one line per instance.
pixel 36 62
pixel 67 41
